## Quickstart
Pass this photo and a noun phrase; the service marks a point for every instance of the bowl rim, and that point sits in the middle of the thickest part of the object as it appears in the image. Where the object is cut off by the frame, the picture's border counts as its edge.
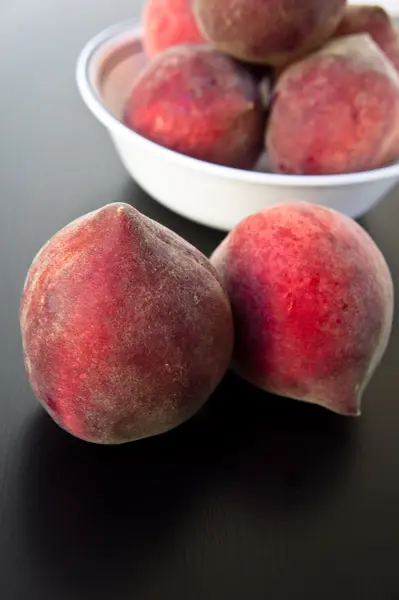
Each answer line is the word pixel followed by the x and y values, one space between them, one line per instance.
pixel 131 27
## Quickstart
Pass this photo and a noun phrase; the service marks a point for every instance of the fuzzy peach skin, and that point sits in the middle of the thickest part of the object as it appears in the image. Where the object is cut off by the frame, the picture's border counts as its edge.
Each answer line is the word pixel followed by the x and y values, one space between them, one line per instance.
pixel 196 101
pixel 336 111
pixel 375 21
pixel 168 23
pixel 126 329
pixel 272 32
pixel 312 301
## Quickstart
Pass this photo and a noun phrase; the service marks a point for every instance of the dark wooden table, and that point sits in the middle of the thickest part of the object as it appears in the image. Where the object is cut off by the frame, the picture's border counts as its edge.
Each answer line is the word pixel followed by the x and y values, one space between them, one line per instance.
pixel 260 498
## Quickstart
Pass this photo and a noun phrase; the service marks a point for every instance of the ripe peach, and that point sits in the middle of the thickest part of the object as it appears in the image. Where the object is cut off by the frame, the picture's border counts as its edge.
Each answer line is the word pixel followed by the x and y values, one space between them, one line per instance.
pixel 198 102
pixel 375 21
pixel 273 32
pixel 168 23
pixel 126 329
pixel 336 111
pixel 312 301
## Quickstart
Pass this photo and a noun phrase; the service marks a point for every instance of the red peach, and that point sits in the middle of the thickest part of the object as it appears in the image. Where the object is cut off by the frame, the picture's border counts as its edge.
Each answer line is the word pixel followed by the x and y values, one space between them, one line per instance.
pixel 272 32
pixel 168 23
pixel 336 111
pixel 312 301
pixel 198 102
pixel 375 21
pixel 125 326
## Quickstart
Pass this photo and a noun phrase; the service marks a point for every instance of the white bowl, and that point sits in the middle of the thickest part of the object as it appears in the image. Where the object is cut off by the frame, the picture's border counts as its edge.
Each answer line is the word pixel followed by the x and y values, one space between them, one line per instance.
pixel 209 194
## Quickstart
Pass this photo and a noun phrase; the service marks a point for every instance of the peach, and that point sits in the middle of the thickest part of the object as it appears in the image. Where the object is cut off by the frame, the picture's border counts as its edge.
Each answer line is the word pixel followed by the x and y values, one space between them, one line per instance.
pixel 312 301
pixel 195 101
pixel 375 21
pixel 168 23
pixel 125 326
pixel 273 32
pixel 336 111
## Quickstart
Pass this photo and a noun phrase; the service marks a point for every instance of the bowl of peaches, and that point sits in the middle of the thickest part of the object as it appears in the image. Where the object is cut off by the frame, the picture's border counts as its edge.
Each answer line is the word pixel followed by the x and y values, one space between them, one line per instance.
pixel 219 109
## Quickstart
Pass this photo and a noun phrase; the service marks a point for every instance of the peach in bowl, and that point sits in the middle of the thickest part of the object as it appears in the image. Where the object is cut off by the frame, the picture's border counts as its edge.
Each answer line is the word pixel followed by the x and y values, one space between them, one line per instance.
pixel 212 194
